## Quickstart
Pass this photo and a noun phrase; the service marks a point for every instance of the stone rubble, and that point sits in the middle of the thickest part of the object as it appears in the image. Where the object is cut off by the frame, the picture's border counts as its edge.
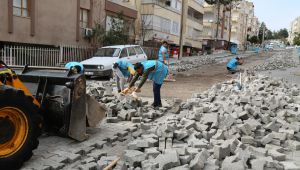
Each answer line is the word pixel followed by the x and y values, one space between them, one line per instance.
pixel 281 60
pixel 190 63
pixel 123 108
pixel 254 128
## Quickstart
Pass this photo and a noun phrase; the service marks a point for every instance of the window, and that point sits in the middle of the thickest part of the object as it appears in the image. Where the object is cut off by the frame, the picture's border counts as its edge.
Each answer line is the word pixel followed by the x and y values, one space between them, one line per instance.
pixel 165 25
pixel 107 52
pixel 20 8
pixel 124 53
pixel 131 51
pixel 190 31
pixel 138 50
pixel 175 28
pixel 84 18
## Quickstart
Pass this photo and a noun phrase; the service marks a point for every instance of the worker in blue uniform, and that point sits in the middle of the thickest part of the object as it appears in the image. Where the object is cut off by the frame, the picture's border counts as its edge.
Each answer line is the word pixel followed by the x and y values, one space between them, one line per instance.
pixel 233 63
pixel 123 70
pixel 75 67
pixel 151 70
pixel 163 54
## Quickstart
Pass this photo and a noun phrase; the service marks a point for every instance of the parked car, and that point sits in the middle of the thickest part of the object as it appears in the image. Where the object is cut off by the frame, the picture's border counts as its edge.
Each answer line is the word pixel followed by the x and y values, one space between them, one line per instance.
pixel 101 63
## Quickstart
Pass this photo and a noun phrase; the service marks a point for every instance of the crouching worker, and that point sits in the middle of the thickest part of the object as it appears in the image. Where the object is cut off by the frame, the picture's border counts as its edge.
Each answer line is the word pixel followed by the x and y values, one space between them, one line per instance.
pixel 75 67
pixel 152 70
pixel 123 70
pixel 233 63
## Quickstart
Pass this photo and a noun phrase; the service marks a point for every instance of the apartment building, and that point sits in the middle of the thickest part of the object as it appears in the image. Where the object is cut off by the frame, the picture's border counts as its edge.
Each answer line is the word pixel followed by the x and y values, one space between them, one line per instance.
pixel 194 26
pixel 216 31
pixel 128 11
pixel 161 20
pixel 242 23
pixel 56 22
pixel 294 28
pixel 254 26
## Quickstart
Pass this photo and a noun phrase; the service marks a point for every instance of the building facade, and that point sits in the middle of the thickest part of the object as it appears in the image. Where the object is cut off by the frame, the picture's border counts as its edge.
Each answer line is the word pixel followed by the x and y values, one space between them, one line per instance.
pixel 216 30
pixel 244 23
pixel 56 22
pixel 161 20
pixel 294 28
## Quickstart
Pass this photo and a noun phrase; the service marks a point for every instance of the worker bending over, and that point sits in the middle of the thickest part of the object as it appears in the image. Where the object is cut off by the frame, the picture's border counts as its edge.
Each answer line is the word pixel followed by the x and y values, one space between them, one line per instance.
pixel 152 70
pixel 163 54
pixel 75 67
pixel 123 69
pixel 233 63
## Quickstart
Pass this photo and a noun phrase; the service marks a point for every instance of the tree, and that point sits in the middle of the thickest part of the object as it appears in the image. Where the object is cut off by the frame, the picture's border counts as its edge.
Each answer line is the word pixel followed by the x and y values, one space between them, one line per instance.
pixel 269 35
pixel 219 3
pixel 98 34
pixel 253 39
pixel 283 33
pixel 261 29
pixel 296 40
pixel 224 2
pixel 118 32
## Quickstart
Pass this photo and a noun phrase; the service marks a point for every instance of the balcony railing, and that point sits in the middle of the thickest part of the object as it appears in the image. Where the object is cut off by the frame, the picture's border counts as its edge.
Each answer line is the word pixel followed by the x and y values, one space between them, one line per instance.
pixel 161 3
pixel 200 2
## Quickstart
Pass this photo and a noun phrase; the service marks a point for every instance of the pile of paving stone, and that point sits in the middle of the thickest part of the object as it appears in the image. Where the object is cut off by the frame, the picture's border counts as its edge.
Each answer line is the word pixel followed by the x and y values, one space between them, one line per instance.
pixel 257 127
pixel 190 63
pixel 123 108
pixel 280 60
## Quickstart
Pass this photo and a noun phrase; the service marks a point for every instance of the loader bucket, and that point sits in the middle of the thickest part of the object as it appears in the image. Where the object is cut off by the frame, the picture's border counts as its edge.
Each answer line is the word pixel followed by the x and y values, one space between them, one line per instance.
pixel 62 96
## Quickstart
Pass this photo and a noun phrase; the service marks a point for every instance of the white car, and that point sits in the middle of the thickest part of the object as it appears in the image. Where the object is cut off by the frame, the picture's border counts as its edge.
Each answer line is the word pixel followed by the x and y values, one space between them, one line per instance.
pixel 101 63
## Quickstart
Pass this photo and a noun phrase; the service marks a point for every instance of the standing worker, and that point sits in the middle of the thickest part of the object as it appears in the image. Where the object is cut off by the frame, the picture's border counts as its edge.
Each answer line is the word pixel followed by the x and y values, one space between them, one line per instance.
pixel 123 69
pixel 152 70
pixel 76 67
pixel 163 54
pixel 233 63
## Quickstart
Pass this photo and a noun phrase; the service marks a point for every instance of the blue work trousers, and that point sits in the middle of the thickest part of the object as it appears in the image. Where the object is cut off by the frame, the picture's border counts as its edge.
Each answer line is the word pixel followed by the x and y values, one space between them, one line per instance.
pixel 156 93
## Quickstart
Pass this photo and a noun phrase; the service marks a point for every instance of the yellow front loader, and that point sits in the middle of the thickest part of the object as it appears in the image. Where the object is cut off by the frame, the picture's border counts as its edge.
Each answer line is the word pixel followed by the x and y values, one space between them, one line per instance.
pixel 34 99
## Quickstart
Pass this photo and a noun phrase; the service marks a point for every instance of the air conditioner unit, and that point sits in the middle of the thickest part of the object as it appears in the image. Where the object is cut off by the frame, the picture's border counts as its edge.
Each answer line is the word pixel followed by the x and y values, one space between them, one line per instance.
pixel 88 32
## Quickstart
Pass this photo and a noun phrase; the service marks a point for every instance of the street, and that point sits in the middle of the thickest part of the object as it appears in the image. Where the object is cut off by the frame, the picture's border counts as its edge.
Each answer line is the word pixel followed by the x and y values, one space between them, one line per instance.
pixel 149 85
pixel 109 141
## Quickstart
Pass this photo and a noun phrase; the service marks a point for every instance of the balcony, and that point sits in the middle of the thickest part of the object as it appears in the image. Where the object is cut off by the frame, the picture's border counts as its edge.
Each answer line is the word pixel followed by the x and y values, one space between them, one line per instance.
pixel 195 25
pixel 163 4
pixel 195 16
pixel 209 9
pixel 197 6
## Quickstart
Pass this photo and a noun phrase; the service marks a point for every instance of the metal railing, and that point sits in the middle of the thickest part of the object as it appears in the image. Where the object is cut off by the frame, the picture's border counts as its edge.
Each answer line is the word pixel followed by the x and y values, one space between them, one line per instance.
pixel 44 56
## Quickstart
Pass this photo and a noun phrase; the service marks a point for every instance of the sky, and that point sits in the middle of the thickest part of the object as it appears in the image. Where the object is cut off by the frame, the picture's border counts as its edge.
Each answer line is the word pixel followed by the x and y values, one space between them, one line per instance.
pixel 277 14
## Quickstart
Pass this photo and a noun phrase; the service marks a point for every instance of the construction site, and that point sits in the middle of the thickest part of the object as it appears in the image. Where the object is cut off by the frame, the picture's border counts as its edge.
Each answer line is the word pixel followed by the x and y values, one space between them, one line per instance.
pixel 210 120
pixel 149 85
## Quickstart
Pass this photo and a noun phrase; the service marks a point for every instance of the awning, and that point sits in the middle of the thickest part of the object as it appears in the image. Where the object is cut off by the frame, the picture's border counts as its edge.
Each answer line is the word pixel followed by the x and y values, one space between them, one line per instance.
pixel 235 41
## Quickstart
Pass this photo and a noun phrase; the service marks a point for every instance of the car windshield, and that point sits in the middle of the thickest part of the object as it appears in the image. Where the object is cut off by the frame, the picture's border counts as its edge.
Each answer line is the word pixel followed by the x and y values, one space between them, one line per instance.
pixel 108 52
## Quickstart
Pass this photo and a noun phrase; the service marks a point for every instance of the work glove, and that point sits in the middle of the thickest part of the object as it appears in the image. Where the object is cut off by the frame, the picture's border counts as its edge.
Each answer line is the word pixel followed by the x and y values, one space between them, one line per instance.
pixel 125 91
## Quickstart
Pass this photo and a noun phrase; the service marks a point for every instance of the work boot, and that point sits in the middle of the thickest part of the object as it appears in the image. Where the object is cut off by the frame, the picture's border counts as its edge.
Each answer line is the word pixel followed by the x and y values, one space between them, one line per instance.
pixel 156 105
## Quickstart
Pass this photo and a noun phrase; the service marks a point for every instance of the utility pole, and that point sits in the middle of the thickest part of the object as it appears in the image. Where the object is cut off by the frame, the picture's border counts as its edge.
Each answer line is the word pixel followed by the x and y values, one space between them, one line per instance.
pixel 263 37
pixel 218 23
pixel 182 27
pixel 230 25
pixel 246 32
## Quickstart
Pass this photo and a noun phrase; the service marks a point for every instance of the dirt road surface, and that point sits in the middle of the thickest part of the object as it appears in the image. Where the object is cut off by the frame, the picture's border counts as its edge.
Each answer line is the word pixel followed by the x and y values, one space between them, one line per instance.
pixel 199 80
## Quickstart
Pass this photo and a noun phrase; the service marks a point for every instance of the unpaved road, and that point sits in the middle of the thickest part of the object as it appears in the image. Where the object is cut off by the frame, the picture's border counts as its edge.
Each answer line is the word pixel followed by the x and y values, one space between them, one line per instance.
pixel 199 80
pixel 63 153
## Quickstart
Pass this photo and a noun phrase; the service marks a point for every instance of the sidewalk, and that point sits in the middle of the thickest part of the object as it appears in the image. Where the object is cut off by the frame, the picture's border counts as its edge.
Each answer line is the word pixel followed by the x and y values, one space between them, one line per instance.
pixel 212 56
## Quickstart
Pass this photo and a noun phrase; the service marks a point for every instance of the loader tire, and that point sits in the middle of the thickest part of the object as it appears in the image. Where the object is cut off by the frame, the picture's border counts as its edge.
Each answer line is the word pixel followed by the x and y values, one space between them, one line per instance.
pixel 20 127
